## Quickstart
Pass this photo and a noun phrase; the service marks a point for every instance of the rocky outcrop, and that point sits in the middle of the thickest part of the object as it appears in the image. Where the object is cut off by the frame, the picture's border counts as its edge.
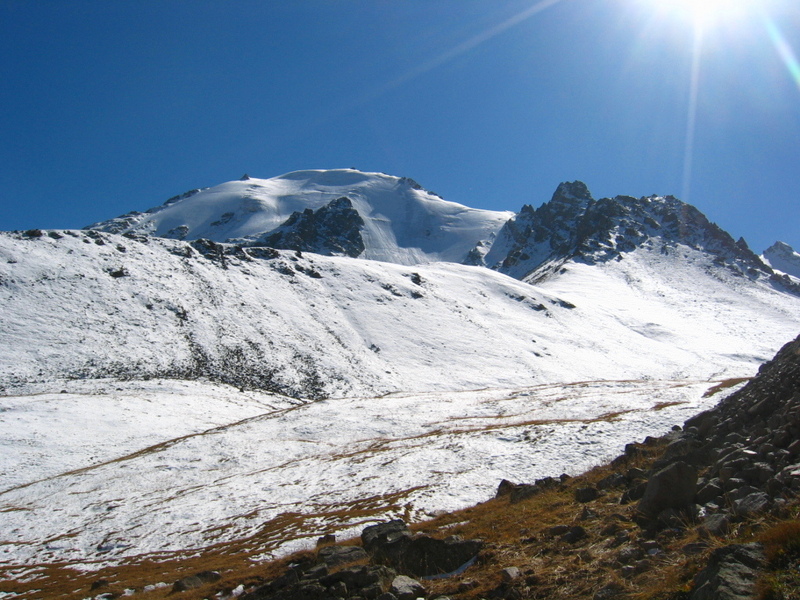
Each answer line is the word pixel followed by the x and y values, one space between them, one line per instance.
pixel 422 556
pixel 392 555
pixel 334 229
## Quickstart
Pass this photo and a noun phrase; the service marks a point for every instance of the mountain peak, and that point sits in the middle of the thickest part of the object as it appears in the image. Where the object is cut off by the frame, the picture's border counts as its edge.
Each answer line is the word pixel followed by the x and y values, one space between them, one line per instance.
pixel 394 219
pixel 782 256
pixel 570 192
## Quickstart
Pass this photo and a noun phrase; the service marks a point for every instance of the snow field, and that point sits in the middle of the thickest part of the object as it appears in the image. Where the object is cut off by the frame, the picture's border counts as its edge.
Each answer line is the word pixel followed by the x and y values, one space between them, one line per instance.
pixel 420 453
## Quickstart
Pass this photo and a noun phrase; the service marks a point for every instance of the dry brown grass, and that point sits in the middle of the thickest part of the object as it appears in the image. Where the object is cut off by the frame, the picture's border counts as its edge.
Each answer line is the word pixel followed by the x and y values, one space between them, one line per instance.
pixel 724 385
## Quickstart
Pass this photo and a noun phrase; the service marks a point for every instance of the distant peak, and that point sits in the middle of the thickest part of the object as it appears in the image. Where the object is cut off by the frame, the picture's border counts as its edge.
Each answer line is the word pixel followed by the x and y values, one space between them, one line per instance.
pixel 571 191
pixel 779 248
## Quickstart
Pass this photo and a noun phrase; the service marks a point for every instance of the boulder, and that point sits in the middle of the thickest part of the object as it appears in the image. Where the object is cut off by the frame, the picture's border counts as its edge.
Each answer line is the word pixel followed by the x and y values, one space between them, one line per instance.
pixel 505 488
pixel 751 504
pixel 195 581
pixel 340 555
pixel 586 494
pixel 731 573
pixel 717 524
pixel 374 536
pixel 425 556
pixel 672 487
pixel 405 588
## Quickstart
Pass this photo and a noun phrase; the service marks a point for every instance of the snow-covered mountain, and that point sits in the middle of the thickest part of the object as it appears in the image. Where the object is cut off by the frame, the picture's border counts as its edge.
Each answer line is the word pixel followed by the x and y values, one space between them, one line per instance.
pixel 210 387
pixel 782 257
pixel 335 212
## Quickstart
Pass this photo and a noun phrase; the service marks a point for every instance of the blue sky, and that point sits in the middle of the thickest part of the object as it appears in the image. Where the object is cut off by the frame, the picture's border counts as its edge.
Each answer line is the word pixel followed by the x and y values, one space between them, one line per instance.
pixel 113 106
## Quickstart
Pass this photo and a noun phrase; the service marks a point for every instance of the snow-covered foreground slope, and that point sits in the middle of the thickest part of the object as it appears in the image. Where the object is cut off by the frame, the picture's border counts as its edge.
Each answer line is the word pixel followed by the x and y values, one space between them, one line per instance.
pixel 403 223
pixel 291 474
pixel 88 422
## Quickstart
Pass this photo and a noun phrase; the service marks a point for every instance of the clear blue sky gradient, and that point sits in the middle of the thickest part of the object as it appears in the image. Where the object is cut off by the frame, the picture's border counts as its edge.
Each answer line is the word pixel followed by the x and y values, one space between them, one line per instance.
pixel 111 106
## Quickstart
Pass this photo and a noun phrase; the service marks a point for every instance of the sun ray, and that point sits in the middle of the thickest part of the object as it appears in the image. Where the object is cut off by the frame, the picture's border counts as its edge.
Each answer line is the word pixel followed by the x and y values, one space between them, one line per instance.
pixel 691 120
pixel 785 51
pixel 467 45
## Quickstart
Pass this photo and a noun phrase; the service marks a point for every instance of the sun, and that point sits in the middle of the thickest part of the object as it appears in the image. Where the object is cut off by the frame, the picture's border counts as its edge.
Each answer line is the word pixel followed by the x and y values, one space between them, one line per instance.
pixel 706 13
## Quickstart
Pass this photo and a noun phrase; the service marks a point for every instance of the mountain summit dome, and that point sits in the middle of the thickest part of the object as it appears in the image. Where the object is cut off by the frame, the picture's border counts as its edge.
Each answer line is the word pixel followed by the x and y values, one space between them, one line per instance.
pixel 401 222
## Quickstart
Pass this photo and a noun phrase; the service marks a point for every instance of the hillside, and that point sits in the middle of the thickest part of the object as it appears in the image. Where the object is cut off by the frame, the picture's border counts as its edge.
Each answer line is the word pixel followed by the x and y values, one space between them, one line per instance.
pixel 708 511
pixel 90 304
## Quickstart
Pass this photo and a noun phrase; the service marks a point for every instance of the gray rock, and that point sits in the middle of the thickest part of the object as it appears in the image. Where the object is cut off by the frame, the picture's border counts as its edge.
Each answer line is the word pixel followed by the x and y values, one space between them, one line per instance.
pixel 612 481
pixel 505 488
pixel 575 534
pixel 731 574
pixel 405 588
pixel 376 535
pixel 586 494
pixel 754 503
pixel 341 555
pixel 629 554
pixel 758 473
pixel 557 530
pixel 510 573
pixel 672 487
pixel 717 524
pixel 709 492
pixel 195 581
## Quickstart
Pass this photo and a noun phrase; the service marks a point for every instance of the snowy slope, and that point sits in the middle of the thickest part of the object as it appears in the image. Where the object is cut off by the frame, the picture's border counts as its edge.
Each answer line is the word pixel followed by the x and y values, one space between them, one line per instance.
pixel 87 305
pixel 403 223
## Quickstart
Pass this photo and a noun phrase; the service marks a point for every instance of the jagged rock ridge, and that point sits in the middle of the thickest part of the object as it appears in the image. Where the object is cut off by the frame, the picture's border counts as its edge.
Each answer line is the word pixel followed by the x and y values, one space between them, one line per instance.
pixel 575 226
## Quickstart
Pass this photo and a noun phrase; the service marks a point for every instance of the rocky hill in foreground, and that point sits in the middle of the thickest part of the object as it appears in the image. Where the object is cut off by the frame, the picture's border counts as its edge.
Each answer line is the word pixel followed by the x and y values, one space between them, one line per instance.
pixel 709 511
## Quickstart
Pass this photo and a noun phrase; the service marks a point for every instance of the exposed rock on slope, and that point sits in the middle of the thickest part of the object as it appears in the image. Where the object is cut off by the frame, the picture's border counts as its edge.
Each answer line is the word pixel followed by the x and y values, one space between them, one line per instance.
pixel 334 229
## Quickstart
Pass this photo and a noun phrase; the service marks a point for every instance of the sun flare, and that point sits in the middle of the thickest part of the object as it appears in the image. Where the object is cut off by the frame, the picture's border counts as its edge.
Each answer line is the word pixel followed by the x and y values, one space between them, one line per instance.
pixel 708 12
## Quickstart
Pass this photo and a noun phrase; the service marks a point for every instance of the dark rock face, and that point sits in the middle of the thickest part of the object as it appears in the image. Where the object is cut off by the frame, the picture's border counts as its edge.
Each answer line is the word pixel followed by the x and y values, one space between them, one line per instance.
pixel 334 229
pixel 730 575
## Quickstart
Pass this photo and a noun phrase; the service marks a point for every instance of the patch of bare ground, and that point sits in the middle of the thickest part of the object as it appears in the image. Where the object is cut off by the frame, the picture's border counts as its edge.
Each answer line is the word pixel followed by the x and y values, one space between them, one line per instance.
pixel 725 385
